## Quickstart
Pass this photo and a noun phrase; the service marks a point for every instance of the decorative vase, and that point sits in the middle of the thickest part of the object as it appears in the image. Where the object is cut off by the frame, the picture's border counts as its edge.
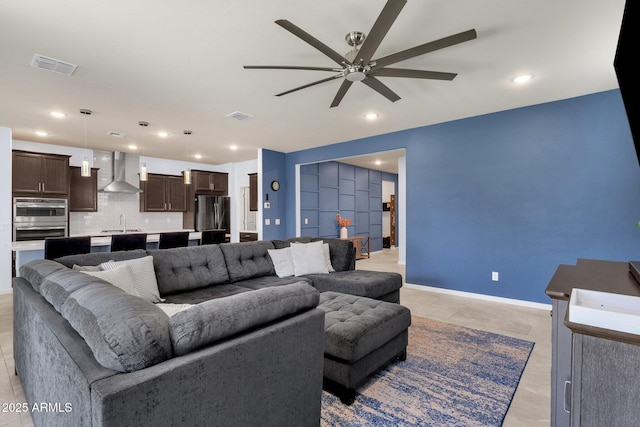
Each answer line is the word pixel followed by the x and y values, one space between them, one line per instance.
pixel 344 233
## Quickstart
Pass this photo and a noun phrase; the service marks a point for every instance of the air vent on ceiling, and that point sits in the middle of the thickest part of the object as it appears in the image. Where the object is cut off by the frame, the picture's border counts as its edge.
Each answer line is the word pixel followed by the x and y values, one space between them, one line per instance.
pixel 116 134
pixel 239 115
pixel 51 64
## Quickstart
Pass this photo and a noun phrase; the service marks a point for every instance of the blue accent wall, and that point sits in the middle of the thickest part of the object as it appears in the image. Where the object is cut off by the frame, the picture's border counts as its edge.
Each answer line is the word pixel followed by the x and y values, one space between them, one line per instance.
pixel 273 169
pixel 517 192
pixel 329 188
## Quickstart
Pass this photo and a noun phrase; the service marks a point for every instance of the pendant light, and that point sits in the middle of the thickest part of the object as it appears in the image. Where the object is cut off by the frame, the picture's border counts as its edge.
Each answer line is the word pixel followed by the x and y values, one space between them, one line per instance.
pixel 144 176
pixel 186 174
pixel 85 171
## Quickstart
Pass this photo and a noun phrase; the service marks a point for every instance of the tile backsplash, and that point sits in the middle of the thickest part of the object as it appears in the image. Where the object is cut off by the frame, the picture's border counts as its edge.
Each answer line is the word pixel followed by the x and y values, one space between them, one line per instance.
pixel 112 205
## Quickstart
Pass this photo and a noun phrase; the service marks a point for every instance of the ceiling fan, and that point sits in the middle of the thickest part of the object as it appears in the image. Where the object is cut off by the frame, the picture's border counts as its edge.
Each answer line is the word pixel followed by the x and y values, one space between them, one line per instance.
pixel 358 65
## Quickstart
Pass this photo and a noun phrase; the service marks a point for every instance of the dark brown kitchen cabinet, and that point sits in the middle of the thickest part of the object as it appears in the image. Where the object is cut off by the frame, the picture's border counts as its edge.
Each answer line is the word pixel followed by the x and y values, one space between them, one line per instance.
pixel 83 191
pixel 253 192
pixel 39 174
pixel 212 183
pixel 163 193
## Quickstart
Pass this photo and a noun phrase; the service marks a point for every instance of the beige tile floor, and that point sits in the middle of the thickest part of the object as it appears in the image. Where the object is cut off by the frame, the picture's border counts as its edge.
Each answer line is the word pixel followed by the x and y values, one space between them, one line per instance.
pixel 531 403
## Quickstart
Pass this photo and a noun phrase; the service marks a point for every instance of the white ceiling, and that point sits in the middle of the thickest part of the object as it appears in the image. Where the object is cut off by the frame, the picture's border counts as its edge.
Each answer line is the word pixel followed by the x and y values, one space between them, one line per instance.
pixel 178 65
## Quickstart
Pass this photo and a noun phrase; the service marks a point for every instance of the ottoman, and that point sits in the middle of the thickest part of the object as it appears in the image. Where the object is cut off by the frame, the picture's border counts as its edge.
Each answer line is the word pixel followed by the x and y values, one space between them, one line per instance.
pixel 362 335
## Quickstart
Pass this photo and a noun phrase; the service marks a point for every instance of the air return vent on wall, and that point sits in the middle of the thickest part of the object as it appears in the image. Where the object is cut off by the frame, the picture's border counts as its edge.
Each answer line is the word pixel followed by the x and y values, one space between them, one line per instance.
pixel 51 64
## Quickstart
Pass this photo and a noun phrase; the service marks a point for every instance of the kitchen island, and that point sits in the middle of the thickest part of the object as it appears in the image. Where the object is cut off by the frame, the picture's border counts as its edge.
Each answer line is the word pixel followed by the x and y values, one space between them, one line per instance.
pixel 100 242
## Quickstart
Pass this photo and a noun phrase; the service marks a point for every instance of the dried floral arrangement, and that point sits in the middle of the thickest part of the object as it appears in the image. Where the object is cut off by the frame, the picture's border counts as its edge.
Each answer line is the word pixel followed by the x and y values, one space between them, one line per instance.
pixel 343 222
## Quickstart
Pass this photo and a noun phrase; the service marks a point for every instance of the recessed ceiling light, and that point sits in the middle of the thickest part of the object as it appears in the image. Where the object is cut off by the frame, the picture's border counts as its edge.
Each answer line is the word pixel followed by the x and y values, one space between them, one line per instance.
pixel 163 134
pixel 41 133
pixel 57 114
pixel 371 116
pixel 233 147
pixel 197 156
pixel 522 78
pixel 133 147
pixel 378 162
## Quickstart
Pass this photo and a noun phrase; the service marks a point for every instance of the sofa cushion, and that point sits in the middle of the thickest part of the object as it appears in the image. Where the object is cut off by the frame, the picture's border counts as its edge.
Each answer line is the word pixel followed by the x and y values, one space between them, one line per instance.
pixel 125 333
pixel 97 258
pixel 57 286
pixel 35 271
pixel 142 274
pixel 372 284
pixel 188 268
pixel 284 243
pixel 214 320
pixel 248 259
pixel 196 296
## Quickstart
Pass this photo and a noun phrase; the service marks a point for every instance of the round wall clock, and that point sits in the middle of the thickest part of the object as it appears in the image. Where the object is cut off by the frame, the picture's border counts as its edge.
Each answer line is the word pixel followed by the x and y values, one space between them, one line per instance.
pixel 275 185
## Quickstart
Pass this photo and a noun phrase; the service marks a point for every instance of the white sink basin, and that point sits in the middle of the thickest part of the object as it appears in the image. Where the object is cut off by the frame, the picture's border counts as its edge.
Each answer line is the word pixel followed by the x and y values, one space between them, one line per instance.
pixel 605 310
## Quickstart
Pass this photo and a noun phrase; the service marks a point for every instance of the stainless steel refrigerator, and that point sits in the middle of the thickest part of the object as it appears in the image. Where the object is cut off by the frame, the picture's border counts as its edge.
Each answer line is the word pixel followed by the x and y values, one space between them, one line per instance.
pixel 213 212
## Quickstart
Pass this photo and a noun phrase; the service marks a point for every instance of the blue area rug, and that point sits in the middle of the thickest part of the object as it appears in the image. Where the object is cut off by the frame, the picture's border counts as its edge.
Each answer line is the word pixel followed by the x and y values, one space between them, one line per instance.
pixel 453 376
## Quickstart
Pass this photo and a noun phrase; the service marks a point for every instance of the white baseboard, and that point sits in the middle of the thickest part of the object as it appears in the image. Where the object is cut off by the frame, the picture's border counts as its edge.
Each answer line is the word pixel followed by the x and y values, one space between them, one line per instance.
pixel 491 298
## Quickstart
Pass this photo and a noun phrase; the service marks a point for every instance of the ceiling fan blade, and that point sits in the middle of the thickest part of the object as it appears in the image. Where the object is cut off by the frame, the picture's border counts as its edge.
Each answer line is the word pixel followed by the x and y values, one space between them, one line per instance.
pixel 379 30
pixel 328 79
pixel 414 74
pixel 300 33
pixel 425 48
pixel 381 88
pixel 344 87
pixel 288 67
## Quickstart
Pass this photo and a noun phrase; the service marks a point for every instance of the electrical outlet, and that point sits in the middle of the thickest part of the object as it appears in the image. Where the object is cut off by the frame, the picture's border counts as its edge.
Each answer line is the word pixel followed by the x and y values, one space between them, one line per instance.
pixel 277 221
pixel 267 205
pixel 495 276
pixel 267 221
pixel 306 220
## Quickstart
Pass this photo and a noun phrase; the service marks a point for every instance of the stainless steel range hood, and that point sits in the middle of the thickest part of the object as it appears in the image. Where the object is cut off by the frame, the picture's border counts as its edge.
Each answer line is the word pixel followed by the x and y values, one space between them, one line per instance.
pixel 119 185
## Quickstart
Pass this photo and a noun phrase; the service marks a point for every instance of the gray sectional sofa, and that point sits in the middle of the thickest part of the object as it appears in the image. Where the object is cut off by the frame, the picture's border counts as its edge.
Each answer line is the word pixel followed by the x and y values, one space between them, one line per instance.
pixel 245 348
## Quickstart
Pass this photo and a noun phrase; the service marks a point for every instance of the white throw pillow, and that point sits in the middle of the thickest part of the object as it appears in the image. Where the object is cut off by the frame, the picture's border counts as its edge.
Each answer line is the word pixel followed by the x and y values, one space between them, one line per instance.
pixel 308 258
pixel 143 275
pixel 282 261
pixel 171 309
pixel 327 258
pixel 120 277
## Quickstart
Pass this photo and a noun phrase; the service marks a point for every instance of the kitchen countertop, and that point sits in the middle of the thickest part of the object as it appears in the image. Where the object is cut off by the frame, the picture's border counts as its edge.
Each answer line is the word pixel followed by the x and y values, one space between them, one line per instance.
pixel 98 239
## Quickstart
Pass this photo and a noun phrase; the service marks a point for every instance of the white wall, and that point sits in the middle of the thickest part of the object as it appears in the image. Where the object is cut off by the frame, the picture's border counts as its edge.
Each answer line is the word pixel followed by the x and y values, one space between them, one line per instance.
pixel 402 209
pixel 239 178
pixel 5 212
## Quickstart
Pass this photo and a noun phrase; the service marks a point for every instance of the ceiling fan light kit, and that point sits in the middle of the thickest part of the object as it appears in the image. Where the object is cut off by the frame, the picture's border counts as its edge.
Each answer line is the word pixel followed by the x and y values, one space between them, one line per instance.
pixel 358 66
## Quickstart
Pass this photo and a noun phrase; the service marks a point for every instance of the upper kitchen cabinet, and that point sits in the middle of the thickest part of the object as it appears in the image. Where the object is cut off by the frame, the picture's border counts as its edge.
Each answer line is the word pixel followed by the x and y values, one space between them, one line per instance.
pixel 163 193
pixel 212 183
pixel 38 174
pixel 83 194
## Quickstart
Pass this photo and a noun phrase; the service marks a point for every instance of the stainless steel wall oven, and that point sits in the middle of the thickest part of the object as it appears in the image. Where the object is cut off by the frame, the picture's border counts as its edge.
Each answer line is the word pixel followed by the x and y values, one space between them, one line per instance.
pixel 37 218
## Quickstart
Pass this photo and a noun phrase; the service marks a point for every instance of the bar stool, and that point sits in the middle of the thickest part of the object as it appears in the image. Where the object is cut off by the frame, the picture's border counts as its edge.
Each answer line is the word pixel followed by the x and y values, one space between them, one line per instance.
pixel 174 239
pixel 127 242
pixel 56 247
pixel 213 236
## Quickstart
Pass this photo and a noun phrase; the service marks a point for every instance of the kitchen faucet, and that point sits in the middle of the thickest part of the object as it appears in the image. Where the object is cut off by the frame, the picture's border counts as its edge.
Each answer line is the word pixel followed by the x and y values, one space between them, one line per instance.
pixel 123 222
